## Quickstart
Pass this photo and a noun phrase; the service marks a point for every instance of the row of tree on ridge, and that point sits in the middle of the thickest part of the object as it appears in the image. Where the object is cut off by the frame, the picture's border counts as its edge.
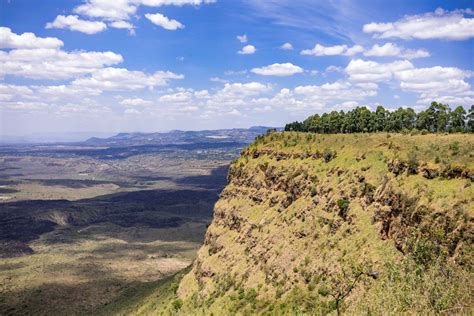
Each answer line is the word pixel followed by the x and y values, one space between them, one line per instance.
pixel 436 118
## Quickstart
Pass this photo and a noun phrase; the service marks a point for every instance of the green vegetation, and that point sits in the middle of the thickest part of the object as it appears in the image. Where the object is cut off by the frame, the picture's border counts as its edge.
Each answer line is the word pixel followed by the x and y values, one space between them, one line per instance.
pixel 363 223
pixel 437 118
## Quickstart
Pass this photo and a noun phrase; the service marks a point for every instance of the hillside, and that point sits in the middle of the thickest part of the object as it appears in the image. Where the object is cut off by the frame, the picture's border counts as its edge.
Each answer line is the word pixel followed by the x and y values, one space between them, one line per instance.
pixel 349 223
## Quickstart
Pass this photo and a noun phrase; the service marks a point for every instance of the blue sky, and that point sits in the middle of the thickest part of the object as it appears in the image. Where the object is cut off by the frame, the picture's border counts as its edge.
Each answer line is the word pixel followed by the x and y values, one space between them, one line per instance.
pixel 107 66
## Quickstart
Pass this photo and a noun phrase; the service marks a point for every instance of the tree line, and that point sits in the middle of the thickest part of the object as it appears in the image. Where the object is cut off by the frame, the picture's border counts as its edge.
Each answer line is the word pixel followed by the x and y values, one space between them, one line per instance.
pixel 437 118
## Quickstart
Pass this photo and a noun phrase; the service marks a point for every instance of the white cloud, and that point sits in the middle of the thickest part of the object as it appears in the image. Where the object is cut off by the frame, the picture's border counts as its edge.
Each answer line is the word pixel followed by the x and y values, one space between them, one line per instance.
pixel 247 50
pixel 131 111
pixel 178 97
pixel 123 25
pixel 217 79
pixel 124 79
pixel 434 80
pixel 371 71
pixel 339 90
pixel 135 102
pixel 242 38
pixel 438 25
pixel 73 23
pixel 9 91
pixel 53 64
pixel 333 68
pixel 161 20
pixel 202 94
pixel 433 83
pixel 157 3
pixel 114 10
pixel 390 49
pixel 63 92
pixel 286 46
pixel 28 40
pixel 320 50
pixel 280 70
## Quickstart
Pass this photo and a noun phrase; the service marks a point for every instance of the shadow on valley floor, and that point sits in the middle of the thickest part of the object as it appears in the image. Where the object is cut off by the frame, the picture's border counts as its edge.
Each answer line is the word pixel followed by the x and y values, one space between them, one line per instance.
pixel 219 176
pixel 24 221
pixel 56 298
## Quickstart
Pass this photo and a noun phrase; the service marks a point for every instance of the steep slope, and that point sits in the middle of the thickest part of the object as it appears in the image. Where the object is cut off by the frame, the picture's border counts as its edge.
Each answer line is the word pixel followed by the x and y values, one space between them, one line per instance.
pixel 316 222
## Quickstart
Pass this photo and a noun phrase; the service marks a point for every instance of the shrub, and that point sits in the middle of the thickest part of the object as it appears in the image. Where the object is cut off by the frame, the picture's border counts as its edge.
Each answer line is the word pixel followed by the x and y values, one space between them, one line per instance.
pixel 412 163
pixel 454 147
pixel 343 205
pixel 314 191
pixel 329 155
pixel 177 304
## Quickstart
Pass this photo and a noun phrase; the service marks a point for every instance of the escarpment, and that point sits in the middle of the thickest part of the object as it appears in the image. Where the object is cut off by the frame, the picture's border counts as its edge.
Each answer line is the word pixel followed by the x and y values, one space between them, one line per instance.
pixel 317 223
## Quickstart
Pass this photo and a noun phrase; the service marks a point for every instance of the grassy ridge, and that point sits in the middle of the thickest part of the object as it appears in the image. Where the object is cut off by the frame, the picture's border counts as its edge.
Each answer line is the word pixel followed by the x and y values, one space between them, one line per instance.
pixel 362 223
pixel 158 297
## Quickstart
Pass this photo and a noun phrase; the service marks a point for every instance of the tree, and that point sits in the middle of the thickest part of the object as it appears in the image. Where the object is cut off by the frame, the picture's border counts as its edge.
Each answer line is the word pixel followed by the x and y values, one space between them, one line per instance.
pixel 470 119
pixel 313 123
pixel 457 119
pixel 442 117
pixel 380 119
pixel 408 118
pixel 437 117
pixel 295 126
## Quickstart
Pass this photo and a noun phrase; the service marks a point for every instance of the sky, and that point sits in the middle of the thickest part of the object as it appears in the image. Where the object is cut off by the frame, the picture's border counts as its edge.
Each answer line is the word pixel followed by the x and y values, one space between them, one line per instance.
pixel 109 66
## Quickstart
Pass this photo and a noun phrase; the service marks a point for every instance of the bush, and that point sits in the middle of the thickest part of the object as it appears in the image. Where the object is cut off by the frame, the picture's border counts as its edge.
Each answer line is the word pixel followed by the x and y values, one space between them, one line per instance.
pixel 412 163
pixel 177 304
pixel 329 155
pixel 314 191
pixel 454 147
pixel 343 205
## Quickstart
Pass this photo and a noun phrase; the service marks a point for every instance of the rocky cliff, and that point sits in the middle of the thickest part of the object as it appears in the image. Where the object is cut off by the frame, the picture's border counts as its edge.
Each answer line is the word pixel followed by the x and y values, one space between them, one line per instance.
pixel 331 223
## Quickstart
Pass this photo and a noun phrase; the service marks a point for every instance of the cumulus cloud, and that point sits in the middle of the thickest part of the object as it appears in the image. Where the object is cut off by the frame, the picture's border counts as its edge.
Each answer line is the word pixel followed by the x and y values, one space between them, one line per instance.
pixel 161 20
pixel 117 12
pixel 333 68
pixel 286 46
pixel 114 10
pixel 45 63
pixel 442 24
pixel 9 91
pixel 135 102
pixel 124 79
pixel 339 90
pixel 279 70
pixel 433 83
pixel 390 49
pixel 371 71
pixel 131 111
pixel 28 40
pixel 242 38
pixel 179 97
pixel 434 80
pixel 320 50
pixel 123 25
pixel 247 50
pixel 73 23
pixel 232 90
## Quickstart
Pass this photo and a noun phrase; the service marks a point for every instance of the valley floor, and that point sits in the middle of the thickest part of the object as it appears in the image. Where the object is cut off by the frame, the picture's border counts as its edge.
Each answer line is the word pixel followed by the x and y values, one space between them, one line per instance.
pixel 77 233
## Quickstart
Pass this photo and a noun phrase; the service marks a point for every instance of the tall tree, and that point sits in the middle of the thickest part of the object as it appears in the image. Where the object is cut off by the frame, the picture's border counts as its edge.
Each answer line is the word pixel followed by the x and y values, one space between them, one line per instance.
pixel 470 119
pixel 457 119
pixel 380 119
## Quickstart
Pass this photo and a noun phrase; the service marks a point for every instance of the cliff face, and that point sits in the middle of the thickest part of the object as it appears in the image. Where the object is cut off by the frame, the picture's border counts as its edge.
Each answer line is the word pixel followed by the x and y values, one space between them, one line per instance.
pixel 315 222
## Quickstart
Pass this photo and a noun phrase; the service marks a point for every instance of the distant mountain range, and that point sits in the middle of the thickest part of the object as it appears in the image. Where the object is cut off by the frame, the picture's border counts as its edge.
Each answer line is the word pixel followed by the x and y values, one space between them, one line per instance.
pixel 208 143
pixel 177 137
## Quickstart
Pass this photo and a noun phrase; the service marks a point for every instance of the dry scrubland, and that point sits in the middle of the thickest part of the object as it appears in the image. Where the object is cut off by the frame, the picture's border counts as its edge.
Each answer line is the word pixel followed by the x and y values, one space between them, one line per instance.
pixel 112 227
pixel 316 224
